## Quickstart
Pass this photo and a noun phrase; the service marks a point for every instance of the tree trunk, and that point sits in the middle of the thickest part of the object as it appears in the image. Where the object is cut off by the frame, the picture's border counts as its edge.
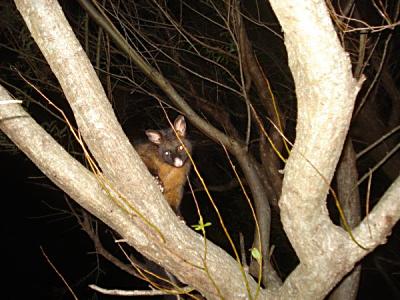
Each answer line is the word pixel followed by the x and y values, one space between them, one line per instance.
pixel 125 197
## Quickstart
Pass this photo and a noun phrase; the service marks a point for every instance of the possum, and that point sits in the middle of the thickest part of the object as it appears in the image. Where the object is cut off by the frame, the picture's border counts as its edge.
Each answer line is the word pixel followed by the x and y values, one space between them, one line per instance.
pixel 166 157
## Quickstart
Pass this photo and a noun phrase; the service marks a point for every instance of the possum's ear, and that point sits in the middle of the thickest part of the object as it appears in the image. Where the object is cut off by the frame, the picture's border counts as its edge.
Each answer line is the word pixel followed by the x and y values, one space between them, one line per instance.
pixel 154 136
pixel 180 125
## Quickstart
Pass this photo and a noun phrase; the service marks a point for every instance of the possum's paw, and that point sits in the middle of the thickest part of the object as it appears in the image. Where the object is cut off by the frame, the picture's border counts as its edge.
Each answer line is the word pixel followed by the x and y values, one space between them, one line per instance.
pixel 159 183
pixel 181 219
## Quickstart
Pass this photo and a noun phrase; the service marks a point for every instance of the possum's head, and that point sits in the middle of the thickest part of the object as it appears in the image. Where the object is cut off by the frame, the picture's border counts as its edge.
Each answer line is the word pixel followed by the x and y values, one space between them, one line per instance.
pixel 170 147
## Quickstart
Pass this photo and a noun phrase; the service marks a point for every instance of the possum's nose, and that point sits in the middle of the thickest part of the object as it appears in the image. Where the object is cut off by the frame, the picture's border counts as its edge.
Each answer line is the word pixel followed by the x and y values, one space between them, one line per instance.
pixel 178 162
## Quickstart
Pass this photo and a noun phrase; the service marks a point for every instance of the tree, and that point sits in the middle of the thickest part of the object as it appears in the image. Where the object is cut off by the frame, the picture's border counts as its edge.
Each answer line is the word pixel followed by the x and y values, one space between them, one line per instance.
pixel 124 196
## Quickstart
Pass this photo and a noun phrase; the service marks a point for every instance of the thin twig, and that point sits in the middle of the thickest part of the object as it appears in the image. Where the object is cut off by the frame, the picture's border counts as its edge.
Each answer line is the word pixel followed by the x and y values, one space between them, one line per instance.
pixel 117 292
pixel 380 163
pixel 377 142
pixel 58 273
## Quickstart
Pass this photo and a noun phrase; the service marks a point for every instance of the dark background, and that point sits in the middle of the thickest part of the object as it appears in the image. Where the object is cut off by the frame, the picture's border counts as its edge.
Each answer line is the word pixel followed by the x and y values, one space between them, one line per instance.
pixel 36 218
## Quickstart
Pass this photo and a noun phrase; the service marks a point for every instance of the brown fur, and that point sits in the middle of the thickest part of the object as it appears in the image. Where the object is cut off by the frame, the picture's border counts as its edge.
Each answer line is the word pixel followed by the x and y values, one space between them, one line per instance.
pixel 172 178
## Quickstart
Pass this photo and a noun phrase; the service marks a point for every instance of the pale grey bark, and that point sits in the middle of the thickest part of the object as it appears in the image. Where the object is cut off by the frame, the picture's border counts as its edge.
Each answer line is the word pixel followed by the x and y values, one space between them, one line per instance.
pixel 260 188
pixel 168 241
pixel 349 198
pixel 326 92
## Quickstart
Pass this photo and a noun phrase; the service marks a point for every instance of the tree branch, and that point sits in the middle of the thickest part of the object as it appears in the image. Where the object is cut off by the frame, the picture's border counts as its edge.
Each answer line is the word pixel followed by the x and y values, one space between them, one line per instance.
pixel 326 92
pixel 236 147
pixel 375 227
pixel 349 198
pixel 167 241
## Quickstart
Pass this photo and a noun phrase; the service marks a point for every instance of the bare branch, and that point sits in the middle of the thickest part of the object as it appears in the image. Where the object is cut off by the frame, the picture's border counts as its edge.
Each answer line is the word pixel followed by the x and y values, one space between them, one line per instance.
pixel 375 227
pixel 167 241
pixel 132 293
pixel 349 199
pixel 236 147
pixel 326 98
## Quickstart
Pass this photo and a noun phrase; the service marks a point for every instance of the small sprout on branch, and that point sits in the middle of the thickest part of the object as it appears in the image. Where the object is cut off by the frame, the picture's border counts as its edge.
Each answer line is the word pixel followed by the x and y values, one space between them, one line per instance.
pixel 255 253
pixel 201 225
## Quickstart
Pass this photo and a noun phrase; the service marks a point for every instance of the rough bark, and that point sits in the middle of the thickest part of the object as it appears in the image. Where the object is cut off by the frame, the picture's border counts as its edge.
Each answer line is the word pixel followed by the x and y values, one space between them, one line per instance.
pixel 349 198
pixel 258 187
pixel 326 92
pixel 167 241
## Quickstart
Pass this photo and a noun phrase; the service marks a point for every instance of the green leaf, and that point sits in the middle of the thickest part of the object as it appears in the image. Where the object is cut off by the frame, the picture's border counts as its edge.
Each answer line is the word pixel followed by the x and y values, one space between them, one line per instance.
pixel 255 253
pixel 201 225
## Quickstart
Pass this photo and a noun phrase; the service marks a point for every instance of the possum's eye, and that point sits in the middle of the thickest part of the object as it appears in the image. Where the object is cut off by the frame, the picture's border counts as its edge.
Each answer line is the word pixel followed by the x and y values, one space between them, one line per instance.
pixel 167 153
pixel 180 148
